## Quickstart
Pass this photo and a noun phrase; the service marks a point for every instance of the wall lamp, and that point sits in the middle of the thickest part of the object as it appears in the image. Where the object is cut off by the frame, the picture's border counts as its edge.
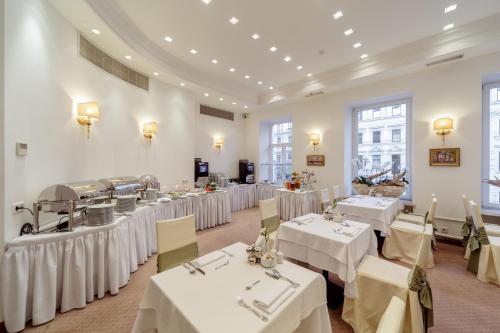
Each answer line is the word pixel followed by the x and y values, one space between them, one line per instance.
pixel 86 113
pixel 443 126
pixel 314 139
pixel 149 130
pixel 218 143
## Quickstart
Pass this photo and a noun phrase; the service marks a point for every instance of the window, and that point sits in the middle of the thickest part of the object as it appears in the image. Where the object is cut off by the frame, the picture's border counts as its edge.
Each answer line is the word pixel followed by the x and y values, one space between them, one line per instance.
pixel 390 147
pixel 281 147
pixel 491 144
pixel 396 135
pixel 360 138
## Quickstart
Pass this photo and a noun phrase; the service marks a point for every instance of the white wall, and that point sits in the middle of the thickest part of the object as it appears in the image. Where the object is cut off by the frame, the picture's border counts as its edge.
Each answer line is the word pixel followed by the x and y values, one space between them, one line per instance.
pixel 454 90
pixel 2 87
pixel 44 78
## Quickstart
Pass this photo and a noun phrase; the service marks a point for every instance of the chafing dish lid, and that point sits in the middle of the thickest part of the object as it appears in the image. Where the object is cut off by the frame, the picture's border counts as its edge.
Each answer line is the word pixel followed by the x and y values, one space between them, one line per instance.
pixel 120 183
pixel 147 180
pixel 72 191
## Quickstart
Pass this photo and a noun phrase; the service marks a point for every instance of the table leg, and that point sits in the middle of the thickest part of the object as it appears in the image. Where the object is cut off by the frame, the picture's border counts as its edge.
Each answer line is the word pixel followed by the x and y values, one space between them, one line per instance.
pixel 334 293
pixel 380 240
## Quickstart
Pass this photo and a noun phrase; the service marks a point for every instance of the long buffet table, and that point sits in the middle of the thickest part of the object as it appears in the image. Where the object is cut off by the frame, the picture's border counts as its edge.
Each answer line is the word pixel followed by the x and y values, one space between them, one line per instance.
pixel 41 273
pixel 243 196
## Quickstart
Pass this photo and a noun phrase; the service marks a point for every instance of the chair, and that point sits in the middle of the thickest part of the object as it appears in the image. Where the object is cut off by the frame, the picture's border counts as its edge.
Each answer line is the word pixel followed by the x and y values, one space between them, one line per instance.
pixel 337 194
pixel 418 219
pixel 378 281
pixel 485 250
pixel 176 241
pixel 269 219
pixel 393 318
pixel 325 199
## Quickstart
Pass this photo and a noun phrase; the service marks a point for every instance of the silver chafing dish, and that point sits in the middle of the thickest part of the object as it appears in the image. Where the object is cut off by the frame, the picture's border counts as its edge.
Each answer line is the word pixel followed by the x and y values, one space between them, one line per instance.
pixel 122 185
pixel 67 199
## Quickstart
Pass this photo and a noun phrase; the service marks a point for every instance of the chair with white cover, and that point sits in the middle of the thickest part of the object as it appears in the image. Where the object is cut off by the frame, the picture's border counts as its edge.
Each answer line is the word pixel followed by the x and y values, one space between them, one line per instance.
pixel 270 219
pixel 419 219
pixel 393 318
pixel 325 199
pixel 377 282
pixel 337 194
pixel 176 241
pixel 491 229
pixel 485 250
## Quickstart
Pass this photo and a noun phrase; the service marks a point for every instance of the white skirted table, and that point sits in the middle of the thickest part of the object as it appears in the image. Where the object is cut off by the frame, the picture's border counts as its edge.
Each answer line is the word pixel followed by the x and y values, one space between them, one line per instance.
pixel 242 196
pixel 266 191
pixel 328 245
pixel 380 212
pixel 177 301
pixel 292 204
pixel 45 272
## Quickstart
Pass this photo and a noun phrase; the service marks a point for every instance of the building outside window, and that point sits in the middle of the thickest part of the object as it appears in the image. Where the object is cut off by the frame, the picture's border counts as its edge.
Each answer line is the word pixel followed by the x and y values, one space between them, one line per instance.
pixel 376 161
pixel 396 135
pixel 491 144
pixel 376 137
pixel 281 146
pixel 360 138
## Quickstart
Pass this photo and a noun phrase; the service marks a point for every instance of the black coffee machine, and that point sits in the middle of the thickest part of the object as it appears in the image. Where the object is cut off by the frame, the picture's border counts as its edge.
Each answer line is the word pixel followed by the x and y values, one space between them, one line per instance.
pixel 200 169
pixel 247 172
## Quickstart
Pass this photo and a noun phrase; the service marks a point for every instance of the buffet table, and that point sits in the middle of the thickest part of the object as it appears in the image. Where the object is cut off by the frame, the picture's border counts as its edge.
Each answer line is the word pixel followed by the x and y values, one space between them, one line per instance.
pixel 41 273
pixel 267 191
pixel 242 196
pixel 292 204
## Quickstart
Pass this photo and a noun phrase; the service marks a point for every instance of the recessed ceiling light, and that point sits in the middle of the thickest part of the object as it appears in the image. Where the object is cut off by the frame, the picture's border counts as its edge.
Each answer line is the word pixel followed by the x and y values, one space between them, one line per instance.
pixel 287 59
pixel 271 88
pixel 221 99
pixel 364 56
pixel 156 73
pixel 232 69
pixel 168 39
pixel 206 2
pixel 234 103
pixel 233 20
pixel 97 32
pixel 299 67
pixel 259 83
pixel 245 106
pixel 182 84
pixel 309 74
pixel 255 36
pixel 215 61
pixel 193 51
pixel 206 94
pixel 450 8
pixel 357 45
pixel 128 57
pixel 273 49
pixel 448 26
pixel 338 15
pixel 348 32
pixel 247 76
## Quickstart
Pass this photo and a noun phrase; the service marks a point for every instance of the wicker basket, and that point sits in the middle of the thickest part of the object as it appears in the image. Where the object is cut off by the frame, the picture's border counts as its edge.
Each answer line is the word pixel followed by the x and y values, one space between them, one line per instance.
pixel 362 189
pixel 390 190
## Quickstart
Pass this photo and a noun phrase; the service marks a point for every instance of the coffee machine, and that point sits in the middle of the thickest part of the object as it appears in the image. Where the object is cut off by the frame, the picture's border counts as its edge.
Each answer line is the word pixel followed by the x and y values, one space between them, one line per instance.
pixel 247 172
pixel 200 169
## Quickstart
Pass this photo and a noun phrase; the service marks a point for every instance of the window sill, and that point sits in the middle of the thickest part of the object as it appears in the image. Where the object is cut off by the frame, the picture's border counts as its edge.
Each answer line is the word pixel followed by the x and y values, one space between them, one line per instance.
pixel 490 212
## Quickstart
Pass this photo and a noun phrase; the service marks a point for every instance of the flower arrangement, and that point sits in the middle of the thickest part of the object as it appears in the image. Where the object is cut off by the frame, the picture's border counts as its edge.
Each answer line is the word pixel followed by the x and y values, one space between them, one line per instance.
pixel 210 187
pixel 308 179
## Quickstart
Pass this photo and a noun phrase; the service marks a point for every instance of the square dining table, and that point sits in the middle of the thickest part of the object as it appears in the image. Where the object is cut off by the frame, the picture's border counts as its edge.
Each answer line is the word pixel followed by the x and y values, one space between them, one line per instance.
pixel 178 301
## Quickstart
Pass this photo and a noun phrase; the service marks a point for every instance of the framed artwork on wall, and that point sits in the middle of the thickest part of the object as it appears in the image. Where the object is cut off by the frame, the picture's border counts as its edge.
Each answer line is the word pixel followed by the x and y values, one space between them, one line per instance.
pixel 315 160
pixel 444 157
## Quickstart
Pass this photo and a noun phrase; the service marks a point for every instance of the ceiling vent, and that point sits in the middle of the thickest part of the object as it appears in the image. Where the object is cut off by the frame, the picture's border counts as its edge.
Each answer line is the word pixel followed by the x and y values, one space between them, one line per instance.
pixel 218 113
pixel 442 61
pixel 314 93
pixel 93 54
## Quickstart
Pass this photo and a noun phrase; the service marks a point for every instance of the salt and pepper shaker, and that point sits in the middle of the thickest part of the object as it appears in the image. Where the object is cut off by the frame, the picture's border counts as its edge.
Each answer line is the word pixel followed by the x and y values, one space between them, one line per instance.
pixel 280 257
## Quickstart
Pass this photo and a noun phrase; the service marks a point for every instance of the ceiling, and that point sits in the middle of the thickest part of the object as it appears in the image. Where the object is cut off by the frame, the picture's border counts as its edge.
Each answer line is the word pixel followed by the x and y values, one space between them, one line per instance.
pixel 303 30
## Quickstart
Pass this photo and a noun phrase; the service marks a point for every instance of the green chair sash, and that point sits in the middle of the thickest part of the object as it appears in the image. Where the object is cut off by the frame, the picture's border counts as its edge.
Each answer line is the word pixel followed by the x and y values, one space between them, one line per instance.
pixel 466 230
pixel 419 284
pixel 271 223
pixel 176 257
pixel 477 239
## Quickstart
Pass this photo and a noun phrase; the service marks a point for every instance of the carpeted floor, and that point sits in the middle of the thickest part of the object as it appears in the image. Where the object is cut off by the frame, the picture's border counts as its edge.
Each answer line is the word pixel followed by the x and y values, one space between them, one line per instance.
pixel 462 303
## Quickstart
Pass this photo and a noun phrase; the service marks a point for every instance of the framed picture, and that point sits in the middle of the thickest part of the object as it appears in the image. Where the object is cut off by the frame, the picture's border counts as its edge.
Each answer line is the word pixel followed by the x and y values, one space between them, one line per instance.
pixel 444 157
pixel 315 160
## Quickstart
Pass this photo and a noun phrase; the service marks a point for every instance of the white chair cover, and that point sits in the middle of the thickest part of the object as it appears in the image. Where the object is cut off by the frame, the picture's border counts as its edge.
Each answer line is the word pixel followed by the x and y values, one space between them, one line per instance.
pixel 418 219
pixel 337 194
pixel 393 318
pixel 268 209
pixel 325 198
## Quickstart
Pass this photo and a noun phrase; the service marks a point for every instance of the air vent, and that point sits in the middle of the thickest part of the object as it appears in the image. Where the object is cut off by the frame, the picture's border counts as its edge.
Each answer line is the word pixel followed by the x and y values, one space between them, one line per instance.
pixel 314 93
pixel 93 54
pixel 442 61
pixel 213 112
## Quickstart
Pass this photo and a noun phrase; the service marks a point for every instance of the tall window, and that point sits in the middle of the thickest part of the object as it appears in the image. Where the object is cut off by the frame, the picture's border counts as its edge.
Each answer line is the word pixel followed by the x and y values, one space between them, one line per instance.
pixel 389 125
pixel 491 143
pixel 281 147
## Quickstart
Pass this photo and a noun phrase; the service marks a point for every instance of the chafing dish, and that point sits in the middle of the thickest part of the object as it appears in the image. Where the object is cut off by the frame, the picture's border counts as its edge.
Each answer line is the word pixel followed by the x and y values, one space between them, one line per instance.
pixel 122 185
pixel 149 181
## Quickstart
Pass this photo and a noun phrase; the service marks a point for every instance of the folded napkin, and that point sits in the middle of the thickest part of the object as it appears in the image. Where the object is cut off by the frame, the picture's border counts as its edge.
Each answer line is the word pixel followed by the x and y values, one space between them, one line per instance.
pixel 350 231
pixel 349 200
pixel 210 258
pixel 270 296
pixel 164 199
pixel 306 218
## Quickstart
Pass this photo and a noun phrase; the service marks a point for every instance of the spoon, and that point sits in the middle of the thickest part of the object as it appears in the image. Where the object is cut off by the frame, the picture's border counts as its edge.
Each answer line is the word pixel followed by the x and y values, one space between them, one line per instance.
pixel 279 276
pixel 252 285
pixel 242 303
pixel 222 265
pixel 191 270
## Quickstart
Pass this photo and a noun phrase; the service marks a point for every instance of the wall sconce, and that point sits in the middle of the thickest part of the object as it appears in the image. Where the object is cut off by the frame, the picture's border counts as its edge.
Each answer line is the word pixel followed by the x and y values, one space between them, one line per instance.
pixel 314 139
pixel 443 126
pixel 86 112
pixel 149 130
pixel 218 143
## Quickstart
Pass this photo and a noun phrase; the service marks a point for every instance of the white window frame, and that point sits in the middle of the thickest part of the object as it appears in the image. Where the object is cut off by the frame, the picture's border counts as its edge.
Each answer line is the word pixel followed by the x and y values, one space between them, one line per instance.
pixel 485 167
pixel 409 121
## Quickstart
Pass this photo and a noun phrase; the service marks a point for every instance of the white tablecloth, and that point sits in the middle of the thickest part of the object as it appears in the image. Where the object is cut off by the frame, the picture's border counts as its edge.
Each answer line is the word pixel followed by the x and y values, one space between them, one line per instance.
pixel 176 301
pixel 242 196
pixel 316 243
pixel 266 191
pixel 41 273
pixel 292 204
pixel 379 212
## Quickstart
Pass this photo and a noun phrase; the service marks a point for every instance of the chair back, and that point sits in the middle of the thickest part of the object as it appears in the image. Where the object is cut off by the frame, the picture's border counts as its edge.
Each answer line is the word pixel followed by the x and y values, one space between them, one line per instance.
pixel 465 201
pixel 393 318
pixel 325 198
pixel 176 241
pixel 476 215
pixel 336 192
pixel 269 214
pixel 432 210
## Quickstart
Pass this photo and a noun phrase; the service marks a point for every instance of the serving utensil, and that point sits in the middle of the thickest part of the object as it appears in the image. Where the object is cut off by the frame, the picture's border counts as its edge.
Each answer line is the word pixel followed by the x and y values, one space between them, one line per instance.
pixel 191 270
pixel 250 286
pixel 242 303
pixel 277 275
pixel 196 266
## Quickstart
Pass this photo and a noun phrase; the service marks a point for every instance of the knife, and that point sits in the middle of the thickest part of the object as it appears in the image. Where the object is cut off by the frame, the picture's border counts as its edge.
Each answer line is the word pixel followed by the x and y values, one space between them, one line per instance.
pixel 196 267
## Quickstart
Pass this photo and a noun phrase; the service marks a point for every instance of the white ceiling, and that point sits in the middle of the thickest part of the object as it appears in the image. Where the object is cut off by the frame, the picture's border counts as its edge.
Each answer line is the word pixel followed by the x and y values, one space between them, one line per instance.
pixel 301 29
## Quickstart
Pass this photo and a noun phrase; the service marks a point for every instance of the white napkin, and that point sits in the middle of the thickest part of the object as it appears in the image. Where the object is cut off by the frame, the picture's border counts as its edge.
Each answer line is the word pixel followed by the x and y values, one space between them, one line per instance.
pixel 164 199
pixel 349 200
pixel 210 258
pixel 269 297
pixel 305 218
pixel 350 231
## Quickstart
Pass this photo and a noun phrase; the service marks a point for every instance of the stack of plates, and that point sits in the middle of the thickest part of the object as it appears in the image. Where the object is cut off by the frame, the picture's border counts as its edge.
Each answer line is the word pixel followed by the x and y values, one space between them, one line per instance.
pixel 151 194
pixel 125 203
pixel 100 214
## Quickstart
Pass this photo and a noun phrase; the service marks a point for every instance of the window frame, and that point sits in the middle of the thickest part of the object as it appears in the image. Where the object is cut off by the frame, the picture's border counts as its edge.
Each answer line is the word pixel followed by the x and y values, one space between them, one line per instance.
pixel 282 145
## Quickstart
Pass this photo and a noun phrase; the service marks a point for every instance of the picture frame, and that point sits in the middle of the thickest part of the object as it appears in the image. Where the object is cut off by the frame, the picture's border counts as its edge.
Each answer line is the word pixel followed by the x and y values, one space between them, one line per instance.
pixel 315 160
pixel 444 157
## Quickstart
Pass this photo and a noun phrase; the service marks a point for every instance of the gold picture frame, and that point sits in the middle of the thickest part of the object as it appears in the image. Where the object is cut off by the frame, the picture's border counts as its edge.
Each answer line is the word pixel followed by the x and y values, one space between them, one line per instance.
pixel 315 160
pixel 444 157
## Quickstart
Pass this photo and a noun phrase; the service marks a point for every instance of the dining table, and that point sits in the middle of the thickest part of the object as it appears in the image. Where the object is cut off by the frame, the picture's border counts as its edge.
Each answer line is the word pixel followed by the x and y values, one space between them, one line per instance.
pixel 233 295
pixel 336 247
pixel 296 203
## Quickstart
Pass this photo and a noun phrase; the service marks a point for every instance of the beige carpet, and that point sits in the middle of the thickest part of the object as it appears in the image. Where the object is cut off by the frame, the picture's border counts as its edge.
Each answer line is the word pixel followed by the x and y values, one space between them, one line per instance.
pixel 462 303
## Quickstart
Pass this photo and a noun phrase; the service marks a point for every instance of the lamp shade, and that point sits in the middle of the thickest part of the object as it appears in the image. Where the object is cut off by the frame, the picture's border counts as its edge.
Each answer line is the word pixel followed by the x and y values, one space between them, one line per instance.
pixel 443 125
pixel 218 142
pixel 150 129
pixel 89 110
pixel 314 138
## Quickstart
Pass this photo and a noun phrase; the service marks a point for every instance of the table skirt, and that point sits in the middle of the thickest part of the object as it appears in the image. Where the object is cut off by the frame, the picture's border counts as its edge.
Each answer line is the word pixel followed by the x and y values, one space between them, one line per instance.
pixel 266 191
pixel 242 196
pixel 294 204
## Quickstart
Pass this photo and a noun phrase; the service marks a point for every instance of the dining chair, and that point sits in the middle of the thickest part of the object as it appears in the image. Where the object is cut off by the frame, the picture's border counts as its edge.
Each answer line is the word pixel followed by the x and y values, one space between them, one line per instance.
pixel 325 199
pixel 337 194
pixel 270 219
pixel 419 219
pixel 484 250
pixel 176 241
pixel 378 281
pixel 393 319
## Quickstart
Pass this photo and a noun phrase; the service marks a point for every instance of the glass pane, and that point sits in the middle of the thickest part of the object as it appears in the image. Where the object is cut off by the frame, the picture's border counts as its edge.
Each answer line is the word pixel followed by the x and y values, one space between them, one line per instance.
pixel 281 150
pixel 494 167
